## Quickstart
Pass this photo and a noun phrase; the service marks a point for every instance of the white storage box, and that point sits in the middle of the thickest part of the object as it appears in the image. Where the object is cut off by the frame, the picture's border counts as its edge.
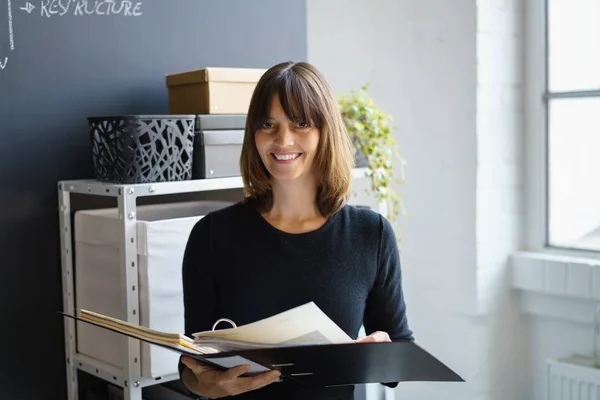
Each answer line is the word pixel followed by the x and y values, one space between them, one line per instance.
pixel 162 234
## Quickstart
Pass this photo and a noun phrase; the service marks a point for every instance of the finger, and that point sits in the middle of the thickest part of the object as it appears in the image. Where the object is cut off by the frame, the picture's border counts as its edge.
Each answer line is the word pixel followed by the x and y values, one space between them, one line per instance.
pixel 364 339
pixel 380 336
pixel 264 379
pixel 235 372
pixel 247 384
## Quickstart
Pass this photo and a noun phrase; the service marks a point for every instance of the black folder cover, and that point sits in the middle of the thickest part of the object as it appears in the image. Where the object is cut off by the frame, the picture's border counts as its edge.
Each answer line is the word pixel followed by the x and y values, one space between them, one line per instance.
pixel 335 364
pixel 353 363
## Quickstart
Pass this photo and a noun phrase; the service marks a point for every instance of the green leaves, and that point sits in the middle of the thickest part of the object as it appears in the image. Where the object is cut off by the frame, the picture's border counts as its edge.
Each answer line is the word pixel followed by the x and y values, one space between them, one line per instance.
pixel 371 131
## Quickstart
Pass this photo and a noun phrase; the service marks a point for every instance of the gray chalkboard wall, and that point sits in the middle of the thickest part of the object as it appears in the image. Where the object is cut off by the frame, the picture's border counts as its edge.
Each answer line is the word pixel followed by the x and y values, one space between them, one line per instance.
pixel 64 60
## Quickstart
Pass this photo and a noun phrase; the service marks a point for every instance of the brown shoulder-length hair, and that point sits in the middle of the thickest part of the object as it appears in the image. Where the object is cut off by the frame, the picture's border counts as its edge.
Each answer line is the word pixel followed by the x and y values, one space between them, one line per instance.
pixel 305 95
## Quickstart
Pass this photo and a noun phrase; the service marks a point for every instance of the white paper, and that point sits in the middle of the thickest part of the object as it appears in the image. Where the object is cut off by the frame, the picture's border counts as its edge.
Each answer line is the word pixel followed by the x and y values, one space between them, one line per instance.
pixel 306 324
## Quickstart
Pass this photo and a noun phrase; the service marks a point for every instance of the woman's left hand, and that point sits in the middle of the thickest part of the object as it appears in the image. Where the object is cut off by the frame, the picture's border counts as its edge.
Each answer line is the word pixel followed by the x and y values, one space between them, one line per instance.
pixel 375 337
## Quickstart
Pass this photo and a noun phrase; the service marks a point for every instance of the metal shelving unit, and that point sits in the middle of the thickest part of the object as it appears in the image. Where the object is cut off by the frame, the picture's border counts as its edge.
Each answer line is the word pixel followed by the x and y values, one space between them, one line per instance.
pixel 129 377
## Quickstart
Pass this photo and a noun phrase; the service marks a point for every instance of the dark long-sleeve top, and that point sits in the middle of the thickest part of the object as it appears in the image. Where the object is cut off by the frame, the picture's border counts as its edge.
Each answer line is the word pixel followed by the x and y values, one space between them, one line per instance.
pixel 238 266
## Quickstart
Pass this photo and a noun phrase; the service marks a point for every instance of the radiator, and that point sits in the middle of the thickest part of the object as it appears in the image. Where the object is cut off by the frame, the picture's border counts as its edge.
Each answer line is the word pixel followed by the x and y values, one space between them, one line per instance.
pixel 572 378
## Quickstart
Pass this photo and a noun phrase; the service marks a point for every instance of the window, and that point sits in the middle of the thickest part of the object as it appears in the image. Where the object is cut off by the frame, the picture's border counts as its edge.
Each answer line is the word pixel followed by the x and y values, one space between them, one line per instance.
pixel 572 105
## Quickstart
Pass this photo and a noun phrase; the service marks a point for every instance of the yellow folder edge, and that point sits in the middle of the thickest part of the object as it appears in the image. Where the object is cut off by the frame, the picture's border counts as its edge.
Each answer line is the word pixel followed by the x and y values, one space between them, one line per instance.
pixel 135 330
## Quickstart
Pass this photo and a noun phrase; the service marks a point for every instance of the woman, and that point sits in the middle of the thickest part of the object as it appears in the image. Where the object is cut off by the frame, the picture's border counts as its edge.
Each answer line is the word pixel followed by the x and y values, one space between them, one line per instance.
pixel 293 240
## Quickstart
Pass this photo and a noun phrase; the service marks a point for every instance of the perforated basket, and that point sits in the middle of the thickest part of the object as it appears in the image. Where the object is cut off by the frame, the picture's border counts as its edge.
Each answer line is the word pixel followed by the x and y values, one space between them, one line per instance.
pixel 142 148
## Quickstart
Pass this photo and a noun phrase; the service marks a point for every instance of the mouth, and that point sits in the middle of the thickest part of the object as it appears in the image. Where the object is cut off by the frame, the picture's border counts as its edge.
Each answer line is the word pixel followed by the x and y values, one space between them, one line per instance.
pixel 285 157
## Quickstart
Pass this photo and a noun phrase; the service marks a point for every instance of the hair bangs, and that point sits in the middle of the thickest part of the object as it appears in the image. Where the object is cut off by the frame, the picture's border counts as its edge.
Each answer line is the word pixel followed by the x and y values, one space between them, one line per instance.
pixel 299 101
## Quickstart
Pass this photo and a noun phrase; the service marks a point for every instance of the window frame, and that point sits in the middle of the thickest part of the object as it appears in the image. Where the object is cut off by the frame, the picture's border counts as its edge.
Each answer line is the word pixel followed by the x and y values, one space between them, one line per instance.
pixel 537 99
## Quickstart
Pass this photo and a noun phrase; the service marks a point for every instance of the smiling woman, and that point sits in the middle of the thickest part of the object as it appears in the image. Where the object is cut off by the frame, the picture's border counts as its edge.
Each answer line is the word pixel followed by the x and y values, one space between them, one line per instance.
pixel 293 239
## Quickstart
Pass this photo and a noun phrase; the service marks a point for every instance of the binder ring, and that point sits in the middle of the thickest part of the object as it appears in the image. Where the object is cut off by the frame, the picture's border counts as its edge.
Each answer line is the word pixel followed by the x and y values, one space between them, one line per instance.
pixel 224 320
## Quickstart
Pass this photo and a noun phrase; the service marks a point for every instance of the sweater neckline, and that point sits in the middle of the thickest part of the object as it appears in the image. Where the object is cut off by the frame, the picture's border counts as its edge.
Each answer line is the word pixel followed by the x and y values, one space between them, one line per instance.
pixel 280 232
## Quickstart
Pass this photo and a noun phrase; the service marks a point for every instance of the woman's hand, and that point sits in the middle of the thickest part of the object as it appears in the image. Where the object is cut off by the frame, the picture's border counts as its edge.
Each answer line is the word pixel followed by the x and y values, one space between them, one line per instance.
pixel 375 337
pixel 213 383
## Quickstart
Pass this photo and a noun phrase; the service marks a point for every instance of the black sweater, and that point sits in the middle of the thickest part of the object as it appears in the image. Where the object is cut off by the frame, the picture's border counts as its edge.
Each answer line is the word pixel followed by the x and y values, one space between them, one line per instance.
pixel 238 266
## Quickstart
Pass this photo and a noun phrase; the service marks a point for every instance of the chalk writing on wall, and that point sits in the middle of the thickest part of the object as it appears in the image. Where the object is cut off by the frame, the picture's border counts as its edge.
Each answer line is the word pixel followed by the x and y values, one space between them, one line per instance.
pixel 126 8
pixel 28 7
pixel 60 8
pixel 11 35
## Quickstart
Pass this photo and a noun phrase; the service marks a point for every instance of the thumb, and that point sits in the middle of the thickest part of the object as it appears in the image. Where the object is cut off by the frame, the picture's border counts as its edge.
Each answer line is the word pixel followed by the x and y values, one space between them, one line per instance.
pixel 375 337
pixel 363 339
pixel 380 336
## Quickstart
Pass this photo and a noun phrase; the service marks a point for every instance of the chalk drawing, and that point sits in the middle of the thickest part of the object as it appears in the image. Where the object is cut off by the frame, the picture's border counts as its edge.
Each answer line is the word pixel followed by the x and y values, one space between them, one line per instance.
pixel 59 8
pixel 28 8
pixel 126 8
pixel 11 34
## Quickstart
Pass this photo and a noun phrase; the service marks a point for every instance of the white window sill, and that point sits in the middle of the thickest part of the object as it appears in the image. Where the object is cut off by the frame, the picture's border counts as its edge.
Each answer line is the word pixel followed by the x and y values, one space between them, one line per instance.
pixel 557 285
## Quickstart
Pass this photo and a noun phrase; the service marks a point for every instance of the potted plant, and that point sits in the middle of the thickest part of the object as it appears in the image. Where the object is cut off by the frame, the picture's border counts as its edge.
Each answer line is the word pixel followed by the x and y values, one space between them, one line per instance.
pixel 372 133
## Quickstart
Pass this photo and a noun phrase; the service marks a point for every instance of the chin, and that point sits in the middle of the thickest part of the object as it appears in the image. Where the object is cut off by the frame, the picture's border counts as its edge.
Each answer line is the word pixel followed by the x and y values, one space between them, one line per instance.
pixel 289 177
pixel 281 174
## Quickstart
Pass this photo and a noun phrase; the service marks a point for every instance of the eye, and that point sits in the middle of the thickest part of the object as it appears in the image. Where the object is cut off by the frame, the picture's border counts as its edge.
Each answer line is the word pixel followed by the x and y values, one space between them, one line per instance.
pixel 267 125
pixel 303 125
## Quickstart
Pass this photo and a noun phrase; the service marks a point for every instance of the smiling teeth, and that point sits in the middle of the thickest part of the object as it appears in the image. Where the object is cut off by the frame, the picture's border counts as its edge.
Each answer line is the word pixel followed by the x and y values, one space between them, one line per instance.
pixel 285 157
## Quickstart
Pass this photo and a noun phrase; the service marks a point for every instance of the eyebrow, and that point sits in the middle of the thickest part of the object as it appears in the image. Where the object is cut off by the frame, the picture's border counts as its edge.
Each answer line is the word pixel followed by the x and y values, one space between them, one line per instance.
pixel 295 119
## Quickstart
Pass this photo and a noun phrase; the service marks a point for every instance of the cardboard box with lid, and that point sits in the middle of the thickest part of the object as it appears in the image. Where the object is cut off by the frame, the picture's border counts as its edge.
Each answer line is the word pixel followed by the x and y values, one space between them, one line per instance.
pixel 212 90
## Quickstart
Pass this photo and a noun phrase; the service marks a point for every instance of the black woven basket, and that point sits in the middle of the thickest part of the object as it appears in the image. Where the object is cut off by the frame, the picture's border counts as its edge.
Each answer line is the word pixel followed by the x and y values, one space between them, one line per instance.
pixel 142 148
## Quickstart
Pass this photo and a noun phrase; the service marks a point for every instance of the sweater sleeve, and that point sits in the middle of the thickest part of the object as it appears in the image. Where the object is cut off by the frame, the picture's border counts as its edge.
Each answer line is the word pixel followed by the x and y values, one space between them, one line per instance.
pixel 199 291
pixel 386 309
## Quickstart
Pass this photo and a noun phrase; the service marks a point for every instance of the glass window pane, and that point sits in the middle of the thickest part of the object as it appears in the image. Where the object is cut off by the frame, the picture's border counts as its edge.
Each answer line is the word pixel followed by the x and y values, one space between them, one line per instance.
pixel 574 173
pixel 573 44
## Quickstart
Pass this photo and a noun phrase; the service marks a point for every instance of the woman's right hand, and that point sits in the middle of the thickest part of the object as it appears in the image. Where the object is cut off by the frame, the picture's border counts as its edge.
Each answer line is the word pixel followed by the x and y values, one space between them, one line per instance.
pixel 214 383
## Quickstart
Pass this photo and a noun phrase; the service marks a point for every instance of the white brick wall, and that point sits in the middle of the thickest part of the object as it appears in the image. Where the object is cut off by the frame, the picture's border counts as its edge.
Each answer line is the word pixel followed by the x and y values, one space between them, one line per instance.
pixel 500 133
pixel 499 188
pixel 558 275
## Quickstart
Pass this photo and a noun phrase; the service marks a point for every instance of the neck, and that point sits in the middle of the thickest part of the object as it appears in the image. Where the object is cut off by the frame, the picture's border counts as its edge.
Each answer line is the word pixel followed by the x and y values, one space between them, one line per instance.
pixel 294 200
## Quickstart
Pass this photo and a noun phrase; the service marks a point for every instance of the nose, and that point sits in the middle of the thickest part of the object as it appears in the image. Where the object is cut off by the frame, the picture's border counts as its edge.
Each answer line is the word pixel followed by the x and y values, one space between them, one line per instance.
pixel 284 137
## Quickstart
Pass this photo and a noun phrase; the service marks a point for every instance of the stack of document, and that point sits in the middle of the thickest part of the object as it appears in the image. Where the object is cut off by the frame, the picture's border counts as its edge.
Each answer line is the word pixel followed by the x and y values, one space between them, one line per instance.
pixel 303 325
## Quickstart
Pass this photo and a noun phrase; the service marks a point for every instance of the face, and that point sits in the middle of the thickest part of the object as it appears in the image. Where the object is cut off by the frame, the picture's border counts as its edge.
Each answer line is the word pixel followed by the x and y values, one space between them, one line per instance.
pixel 287 148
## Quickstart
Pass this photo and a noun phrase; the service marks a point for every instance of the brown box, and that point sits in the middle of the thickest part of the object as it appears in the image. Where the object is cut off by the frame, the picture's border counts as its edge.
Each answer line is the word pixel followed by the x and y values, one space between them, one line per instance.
pixel 212 90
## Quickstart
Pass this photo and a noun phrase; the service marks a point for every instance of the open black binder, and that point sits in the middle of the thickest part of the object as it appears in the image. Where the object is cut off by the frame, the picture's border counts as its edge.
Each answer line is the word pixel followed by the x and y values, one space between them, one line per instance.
pixel 326 365
pixel 353 363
